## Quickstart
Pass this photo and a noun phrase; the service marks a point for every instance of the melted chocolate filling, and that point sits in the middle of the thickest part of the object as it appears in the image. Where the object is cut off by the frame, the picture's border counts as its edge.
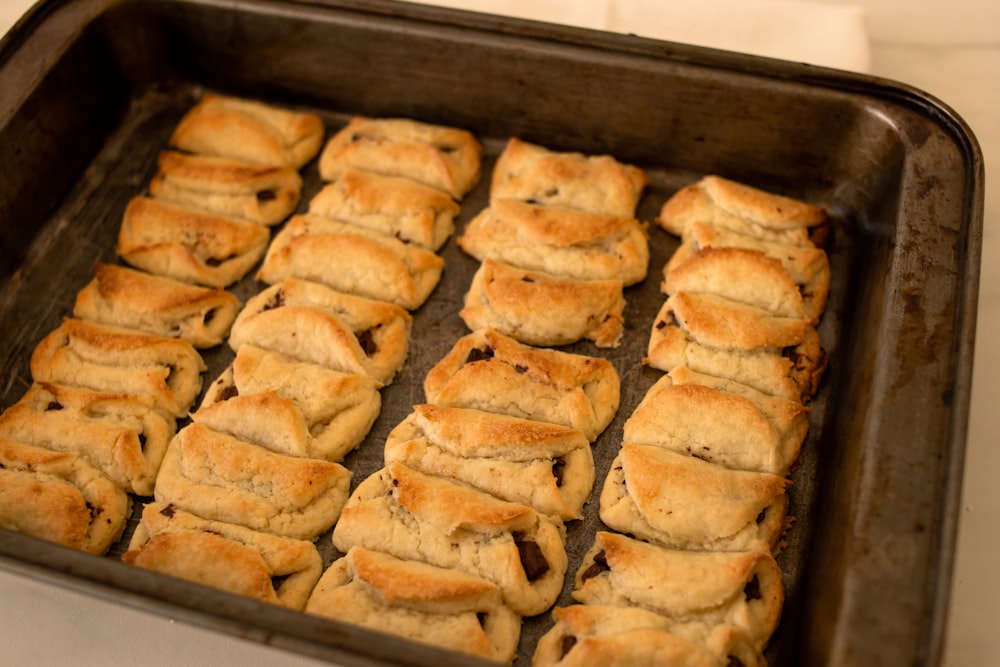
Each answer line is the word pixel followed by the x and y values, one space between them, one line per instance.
pixel 229 392
pixel 600 565
pixel 475 354
pixel 168 511
pixel 277 302
pixel 752 590
pixel 558 467
pixel 266 195
pixel 568 642
pixel 532 559
pixel 53 405
pixel 209 315
pixel 366 339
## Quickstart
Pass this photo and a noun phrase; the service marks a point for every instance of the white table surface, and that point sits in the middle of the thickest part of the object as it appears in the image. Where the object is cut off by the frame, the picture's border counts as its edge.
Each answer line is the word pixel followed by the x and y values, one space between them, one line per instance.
pixel 948 49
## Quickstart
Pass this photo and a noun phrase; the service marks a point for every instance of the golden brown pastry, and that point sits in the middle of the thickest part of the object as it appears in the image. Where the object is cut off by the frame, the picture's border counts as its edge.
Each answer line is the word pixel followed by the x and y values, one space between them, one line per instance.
pixel 447 524
pixel 116 360
pixel 745 276
pixel 684 503
pixel 187 245
pixel 269 568
pixel 540 309
pixel 607 635
pixel 123 436
pixel 221 478
pixel 352 259
pixel 249 130
pixel 131 299
pixel 739 589
pixel 432 605
pixel 486 370
pixel 595 183
pixel 809 267
pixel 392 205
pixel 560 241
pixel 545 466
pixel 776 356
pixel 338 408
pixel 59 497
pixel 719 421
pixel 726 204
pixel 445 158
pixel 264 194
pixel 375 334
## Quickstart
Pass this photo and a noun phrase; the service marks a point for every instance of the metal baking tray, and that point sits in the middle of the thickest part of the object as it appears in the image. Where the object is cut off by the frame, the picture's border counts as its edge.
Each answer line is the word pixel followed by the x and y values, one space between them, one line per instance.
pixel 90 90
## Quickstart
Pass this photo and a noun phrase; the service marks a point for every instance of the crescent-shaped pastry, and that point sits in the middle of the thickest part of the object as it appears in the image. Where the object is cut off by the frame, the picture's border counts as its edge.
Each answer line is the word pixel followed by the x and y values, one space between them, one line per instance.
pixel 742 589
pixel 352 259
pixel 268 568
pixel 392 205
pixel 263 194
pixel 448 524
pixel 59 497
pixel 116 360
pixel 338 409
pixel 221 478
pixel 445 158
pixel 131 299
pixel 486 370
pixel 596 183
pixel 560 241
pixel 441 607
pixel 188 245
pixel 684 503
pixel 540 309
pixel 249 130
pixel 545 466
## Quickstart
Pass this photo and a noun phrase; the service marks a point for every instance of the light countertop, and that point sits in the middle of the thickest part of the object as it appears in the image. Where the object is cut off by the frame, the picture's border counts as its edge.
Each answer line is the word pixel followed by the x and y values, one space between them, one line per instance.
pixel 948 49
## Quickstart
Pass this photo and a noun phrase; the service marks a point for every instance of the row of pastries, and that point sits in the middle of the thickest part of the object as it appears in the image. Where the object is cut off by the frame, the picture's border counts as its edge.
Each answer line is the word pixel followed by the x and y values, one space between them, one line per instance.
pixel 462 532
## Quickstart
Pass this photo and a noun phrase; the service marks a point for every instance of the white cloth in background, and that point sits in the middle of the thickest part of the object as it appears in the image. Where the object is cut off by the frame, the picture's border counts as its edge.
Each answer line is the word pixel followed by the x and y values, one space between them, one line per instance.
pixel 810 32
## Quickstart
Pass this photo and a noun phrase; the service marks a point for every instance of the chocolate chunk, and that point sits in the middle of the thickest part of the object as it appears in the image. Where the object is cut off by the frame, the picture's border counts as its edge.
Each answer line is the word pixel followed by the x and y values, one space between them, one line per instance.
pixel 168 511
pixel 266 195
pixel 53 405
pixel 520 369
pixel 229 392
pixel 527 279
pixel 532 559
pixel 277 302
pixel 558 467
pixel 568 642
pixel 366 339
pixel 762 516
pixel 752 590
pixel 600 565
pixel 142 441
pixel 209 315
pixel 475 354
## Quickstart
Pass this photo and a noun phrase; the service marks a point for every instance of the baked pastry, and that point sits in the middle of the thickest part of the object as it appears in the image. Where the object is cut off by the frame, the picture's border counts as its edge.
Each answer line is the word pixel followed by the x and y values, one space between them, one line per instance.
pixel 265 194
pixel 684 503
pixel 112 359
pixel 809 267
pixel 338 408
pixel 392 205
pixel 586 635
pixel 377 333
pixel 268 568
pixel 188 245
pixel 131 299
pixel 773 360
pixel 249 130
pixel 59 497
pixel 719 421
pixel 486 370
pixel 740 208
pixel 595 183
pixel 545 466
pixel 352 259
pixel 745 276
pixel 739 589
pixel 560 241
pixel 122 436
pixel 432 605
pixel 218 477
pixel 540 309
pixel 445 158
pixel 441 522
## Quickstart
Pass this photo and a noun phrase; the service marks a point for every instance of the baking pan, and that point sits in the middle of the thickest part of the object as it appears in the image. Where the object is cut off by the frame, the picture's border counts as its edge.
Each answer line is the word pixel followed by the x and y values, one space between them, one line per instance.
pixel 90 90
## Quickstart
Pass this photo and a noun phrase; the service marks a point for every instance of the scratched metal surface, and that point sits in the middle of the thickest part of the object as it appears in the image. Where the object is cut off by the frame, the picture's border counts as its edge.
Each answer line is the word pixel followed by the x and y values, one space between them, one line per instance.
pixel 677 113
